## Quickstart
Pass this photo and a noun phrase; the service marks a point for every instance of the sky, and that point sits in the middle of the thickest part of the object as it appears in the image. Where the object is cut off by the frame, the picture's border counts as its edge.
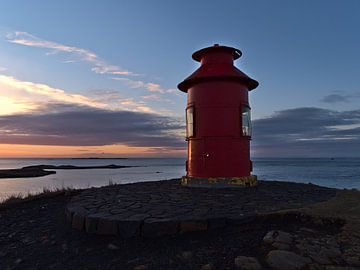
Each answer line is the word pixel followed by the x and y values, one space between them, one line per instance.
pixel 99 78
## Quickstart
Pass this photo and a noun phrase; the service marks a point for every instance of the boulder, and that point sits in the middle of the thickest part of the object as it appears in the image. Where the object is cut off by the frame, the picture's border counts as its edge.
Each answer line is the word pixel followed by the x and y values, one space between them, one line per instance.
pixel 247 263
pixel 286 260
pixel 278 236
pixel 208 266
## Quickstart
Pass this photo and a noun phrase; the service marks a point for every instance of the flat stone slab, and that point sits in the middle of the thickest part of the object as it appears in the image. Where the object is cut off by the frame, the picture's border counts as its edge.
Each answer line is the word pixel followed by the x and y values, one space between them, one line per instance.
pixel 151 209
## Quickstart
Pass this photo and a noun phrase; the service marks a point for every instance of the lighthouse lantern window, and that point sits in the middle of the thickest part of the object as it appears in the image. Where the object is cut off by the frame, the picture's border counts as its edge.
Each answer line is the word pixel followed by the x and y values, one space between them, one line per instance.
pixel 246 121
pixel 190 122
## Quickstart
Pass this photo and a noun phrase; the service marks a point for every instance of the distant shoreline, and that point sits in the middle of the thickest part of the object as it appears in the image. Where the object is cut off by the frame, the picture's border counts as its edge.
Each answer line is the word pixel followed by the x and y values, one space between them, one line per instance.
pixel 96 158
pixel 42 170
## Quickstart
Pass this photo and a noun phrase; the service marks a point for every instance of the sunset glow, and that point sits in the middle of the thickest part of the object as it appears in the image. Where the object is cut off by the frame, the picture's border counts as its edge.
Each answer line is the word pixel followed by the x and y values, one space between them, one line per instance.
pixel 106 151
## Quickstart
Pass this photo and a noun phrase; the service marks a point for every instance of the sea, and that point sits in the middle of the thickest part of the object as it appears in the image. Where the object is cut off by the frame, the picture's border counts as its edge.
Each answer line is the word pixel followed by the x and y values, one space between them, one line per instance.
pixel 330 172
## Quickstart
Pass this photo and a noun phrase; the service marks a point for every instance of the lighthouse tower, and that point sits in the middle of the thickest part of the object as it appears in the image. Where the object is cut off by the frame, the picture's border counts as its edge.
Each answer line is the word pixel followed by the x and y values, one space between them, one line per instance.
pixel 218 123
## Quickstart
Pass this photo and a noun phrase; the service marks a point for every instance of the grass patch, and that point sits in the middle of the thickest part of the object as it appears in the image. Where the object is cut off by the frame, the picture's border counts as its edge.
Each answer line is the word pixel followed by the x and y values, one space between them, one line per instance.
pixel 45 193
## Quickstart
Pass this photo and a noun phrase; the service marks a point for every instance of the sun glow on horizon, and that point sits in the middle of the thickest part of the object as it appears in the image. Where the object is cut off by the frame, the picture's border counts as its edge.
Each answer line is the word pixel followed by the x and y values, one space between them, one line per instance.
pixel 55 151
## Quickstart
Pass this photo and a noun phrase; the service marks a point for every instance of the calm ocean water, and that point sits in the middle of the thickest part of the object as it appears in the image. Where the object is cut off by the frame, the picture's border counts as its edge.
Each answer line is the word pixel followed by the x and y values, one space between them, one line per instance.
pixel 338 172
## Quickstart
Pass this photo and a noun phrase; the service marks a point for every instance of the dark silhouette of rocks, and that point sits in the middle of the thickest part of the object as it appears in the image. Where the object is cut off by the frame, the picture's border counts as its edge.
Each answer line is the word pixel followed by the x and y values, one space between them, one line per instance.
pixel 42 170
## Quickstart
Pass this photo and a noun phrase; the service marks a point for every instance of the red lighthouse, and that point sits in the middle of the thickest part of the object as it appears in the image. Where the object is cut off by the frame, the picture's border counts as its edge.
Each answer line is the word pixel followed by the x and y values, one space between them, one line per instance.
pixel 218 124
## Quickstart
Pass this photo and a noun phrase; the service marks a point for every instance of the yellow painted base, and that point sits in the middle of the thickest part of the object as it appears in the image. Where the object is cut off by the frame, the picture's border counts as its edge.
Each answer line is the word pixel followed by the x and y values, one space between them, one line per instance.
pixel 219 182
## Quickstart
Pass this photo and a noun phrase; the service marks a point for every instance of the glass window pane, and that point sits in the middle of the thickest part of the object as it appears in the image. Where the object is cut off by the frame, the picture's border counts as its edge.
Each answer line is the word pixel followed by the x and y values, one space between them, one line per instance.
pixel 190 122
pixel 246 121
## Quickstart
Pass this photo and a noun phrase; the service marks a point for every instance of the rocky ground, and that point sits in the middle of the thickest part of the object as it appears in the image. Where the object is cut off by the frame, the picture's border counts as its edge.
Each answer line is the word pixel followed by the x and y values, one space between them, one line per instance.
pixel 35 235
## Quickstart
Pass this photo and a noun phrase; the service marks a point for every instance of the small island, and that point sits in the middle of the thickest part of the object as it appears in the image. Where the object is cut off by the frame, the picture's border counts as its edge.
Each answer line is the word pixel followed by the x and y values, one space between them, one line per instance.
pixel 43 170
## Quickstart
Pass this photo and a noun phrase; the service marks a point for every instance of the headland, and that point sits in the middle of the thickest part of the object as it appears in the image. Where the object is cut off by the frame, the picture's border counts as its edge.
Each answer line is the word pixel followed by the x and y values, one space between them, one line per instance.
pixel 276 225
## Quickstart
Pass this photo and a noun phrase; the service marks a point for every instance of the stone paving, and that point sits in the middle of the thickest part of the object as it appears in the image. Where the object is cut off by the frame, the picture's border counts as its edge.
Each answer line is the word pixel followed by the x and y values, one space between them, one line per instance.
pixel 151 209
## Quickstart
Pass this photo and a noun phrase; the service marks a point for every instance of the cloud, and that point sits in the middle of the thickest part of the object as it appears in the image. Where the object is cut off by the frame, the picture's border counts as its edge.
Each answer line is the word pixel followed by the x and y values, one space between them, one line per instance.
pixel 308 132
pixel 62 124
pixel 10 105
pixel 68 61
pixel 151 87
pixel 115 101
pixel 155 97
pixel 335 98
pixel 3 69
pixel 19 96
pixel 339 97
pixel 15 89
pixel 99 65
pixel 137 106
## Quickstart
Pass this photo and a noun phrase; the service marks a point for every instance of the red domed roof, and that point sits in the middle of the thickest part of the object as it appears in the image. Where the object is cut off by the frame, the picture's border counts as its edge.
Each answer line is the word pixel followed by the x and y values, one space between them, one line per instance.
pixel 217 64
